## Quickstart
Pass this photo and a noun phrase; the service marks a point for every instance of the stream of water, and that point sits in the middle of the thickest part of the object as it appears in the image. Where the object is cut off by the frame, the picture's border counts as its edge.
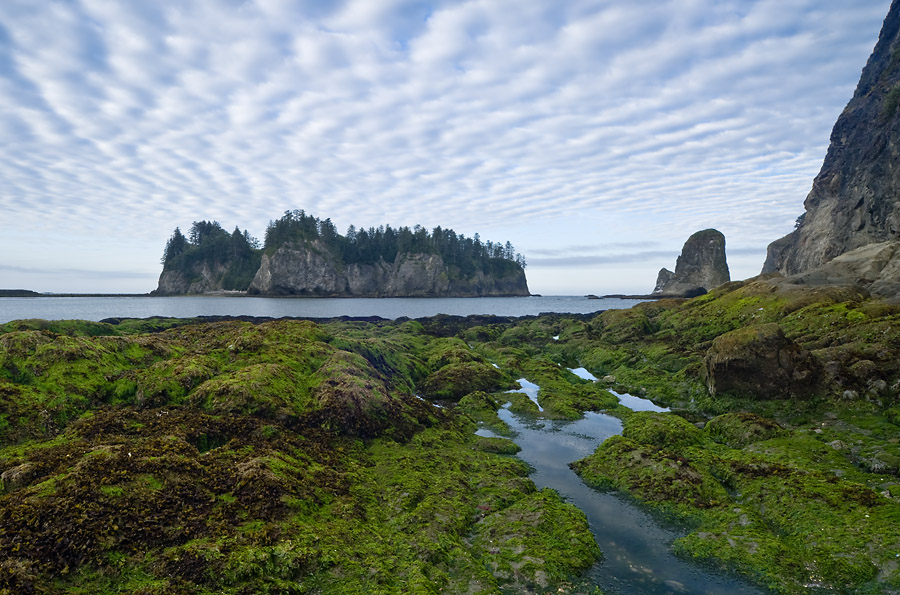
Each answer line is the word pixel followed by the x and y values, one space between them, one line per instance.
pixel 637 551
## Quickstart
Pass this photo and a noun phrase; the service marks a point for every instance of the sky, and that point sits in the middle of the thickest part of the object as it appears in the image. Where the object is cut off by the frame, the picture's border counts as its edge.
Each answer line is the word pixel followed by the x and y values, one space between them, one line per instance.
pixel 596 136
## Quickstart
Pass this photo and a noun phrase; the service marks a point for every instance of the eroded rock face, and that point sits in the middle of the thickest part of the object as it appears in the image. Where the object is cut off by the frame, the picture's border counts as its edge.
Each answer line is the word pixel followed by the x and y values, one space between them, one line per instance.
pixel 759 362
pixel 702 266
pixel 201 279
pixel 664 277
pixel 313 270
pixel 854 199
pixel 874 267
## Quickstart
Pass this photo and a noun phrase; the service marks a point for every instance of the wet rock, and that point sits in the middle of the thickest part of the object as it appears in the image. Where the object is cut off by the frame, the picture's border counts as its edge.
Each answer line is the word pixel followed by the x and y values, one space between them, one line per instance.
pixel 761 363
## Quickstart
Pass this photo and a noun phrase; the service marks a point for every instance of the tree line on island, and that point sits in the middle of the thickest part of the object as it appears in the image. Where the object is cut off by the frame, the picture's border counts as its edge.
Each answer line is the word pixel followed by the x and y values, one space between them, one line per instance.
pixel 208 243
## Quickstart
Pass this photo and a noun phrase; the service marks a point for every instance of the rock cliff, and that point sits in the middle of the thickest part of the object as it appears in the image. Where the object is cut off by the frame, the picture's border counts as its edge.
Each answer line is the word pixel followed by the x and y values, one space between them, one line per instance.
pixel 305 255
pixel 311 269
pixel 204 277
pixel 855 199
pixel 873 267
pixel 701 266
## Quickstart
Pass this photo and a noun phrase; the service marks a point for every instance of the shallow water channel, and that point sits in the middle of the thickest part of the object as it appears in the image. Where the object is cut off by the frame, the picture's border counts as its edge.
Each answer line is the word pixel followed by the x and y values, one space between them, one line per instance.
pixel 637 552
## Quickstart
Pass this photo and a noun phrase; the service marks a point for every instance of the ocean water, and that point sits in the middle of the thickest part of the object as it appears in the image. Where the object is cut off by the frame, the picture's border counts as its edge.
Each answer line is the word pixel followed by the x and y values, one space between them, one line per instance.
pixel 99 308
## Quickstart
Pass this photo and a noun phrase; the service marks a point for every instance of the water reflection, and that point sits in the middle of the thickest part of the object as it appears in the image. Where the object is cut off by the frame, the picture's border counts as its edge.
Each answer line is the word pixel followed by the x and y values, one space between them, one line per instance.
pixel 638 557
pixel 630 401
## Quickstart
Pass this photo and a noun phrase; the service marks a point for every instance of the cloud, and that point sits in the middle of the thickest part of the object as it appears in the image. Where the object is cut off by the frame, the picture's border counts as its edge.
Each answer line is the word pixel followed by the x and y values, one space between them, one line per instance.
pixel 595 259
pixel 73 273
pixel 127 119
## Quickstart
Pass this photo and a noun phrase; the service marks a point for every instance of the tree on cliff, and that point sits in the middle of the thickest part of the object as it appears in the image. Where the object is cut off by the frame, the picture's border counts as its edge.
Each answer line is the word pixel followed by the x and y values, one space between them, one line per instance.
pixel 176 246
pixel 209 255
pixel 233 257
pixel 368 246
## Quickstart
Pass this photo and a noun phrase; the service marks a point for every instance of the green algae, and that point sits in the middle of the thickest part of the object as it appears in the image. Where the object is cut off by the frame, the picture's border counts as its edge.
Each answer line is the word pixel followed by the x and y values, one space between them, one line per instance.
pixel 294 457
pixel 279 457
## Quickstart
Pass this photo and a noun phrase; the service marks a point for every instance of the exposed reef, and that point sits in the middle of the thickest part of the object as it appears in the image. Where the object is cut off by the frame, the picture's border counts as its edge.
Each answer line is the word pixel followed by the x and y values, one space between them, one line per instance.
pixel 162 456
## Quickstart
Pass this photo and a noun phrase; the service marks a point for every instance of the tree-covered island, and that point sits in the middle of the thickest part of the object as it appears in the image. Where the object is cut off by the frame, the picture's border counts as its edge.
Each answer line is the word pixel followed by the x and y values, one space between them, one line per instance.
pixel 305 255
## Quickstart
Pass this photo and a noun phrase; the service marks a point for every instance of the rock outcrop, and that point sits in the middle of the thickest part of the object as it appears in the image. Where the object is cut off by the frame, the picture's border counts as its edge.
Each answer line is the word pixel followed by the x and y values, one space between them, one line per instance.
pixel 664 277
pixel 202 278
pixel 701 266
pixel 855 199
pixel 874 267
pixel 759 362
pixel 311 269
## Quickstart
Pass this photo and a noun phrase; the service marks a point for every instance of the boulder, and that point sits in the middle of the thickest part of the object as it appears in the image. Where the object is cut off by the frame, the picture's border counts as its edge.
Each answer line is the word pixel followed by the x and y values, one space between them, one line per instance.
pixel 761 363
pixel 701 267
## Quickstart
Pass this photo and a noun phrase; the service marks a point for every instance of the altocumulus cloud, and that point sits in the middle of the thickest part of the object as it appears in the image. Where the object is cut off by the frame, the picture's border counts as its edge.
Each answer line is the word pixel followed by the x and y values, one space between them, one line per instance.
pixel 537 121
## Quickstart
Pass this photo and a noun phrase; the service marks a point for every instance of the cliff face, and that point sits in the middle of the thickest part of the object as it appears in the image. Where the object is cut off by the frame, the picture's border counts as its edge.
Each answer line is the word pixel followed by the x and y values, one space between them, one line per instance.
pixel 311 269
pixel 202 278
pixel 855 199
pixel 702 264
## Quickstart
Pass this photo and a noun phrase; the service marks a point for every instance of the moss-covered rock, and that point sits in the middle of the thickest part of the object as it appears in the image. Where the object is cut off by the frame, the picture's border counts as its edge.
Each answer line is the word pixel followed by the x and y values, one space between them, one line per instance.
pixel 661 430
pixel 740 429
pixel 760 362
pixel 455 380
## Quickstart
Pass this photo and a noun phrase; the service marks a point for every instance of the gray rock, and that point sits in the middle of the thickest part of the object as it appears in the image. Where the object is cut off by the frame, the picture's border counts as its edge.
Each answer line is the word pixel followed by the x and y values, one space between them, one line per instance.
pixel 855 199
pixel 311 269
pixel 16 477
pixel 701 267
pixel 662 279
pixel 874 267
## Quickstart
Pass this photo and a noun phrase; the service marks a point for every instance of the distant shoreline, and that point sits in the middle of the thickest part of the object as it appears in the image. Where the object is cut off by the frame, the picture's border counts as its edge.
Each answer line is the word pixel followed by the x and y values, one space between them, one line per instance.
pixel 35 294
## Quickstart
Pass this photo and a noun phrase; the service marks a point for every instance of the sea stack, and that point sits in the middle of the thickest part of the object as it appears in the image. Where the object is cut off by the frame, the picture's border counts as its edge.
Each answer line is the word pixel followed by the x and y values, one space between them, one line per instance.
pixel 702 266
pixel 855 199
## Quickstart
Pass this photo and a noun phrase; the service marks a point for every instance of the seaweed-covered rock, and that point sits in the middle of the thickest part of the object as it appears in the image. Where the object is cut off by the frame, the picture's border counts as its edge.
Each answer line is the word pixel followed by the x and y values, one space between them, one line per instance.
pixel 759 362
pixel 661 477
pixel 454 381
pixel 740 429
pixel 662 430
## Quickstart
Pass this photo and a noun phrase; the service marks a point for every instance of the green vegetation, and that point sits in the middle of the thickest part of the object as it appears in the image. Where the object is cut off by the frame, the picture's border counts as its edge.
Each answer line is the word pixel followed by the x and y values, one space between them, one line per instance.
pixel 891 101
pixel 367 246
pixel 163 455
pixel 792 480
pixel 286 456
pixel 233 258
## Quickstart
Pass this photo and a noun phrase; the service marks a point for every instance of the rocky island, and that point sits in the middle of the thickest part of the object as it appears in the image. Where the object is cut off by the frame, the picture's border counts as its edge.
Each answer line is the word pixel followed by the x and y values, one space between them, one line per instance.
pixel 305 256
pixel 700 267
